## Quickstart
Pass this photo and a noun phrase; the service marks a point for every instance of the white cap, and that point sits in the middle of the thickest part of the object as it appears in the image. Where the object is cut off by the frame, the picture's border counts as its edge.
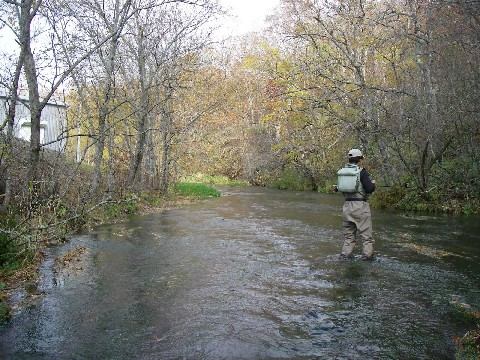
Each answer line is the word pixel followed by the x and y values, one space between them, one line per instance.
pixel 355 153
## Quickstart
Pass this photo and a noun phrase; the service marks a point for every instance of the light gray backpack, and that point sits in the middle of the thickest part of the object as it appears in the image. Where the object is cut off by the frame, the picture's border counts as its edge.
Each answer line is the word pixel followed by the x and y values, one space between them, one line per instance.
pixel 349 179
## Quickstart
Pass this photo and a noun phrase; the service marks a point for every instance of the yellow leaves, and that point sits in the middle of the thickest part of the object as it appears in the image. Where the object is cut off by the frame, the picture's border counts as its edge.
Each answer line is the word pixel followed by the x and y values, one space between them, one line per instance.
pixel 251 62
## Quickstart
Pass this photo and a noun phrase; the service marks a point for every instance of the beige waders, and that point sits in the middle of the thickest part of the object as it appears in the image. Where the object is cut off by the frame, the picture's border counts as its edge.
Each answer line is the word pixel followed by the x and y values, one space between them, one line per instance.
pixel 357 220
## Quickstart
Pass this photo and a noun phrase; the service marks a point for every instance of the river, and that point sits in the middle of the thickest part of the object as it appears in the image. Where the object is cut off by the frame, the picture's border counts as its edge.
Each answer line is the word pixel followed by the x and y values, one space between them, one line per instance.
pixel 254 274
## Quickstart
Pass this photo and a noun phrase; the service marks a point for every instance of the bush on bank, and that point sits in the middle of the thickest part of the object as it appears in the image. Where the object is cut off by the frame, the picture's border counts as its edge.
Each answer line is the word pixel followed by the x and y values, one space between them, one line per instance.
pixel 434 201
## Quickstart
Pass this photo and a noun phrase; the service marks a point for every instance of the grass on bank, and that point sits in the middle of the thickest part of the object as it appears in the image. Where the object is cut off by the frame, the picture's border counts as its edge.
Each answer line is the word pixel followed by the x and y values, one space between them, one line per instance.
pixel 195 190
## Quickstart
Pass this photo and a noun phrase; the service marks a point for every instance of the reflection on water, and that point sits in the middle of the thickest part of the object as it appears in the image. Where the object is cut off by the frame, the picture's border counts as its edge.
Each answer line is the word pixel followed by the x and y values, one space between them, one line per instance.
pixel 253 274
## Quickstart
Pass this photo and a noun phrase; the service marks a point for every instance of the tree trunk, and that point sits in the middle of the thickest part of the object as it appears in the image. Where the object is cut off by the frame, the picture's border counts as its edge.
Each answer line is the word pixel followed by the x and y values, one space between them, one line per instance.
pixel 103 114
pixel 431 127
pixel 165 170
pixel 142 114
pixel 27 13
pixel 166 128
pixel 151 158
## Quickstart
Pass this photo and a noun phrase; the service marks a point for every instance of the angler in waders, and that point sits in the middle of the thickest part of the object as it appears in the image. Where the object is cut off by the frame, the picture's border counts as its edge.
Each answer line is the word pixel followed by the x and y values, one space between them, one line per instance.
pixel 355 184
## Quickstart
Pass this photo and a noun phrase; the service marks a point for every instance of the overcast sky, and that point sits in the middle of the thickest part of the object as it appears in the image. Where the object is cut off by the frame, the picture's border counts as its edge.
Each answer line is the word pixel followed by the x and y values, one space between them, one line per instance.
pixel 248 15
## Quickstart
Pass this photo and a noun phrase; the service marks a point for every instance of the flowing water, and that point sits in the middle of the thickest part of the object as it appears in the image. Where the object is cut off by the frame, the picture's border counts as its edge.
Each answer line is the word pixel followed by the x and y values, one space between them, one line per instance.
pixel 254 274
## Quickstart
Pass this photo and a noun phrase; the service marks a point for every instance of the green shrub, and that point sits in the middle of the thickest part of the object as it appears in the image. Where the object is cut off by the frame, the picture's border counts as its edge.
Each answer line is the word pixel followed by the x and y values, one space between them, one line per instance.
pixel 468 347
pixel 289 179
pixel 4 312
pixel 123 207
pixel 387 197
pixel 470 208
pixel 328 186
pixel 11 256
pixel 152 199
pixel 196 190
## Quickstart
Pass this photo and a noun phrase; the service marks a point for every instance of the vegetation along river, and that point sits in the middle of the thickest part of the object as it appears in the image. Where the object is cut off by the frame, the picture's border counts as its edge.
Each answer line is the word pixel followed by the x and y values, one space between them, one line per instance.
pixel 254 274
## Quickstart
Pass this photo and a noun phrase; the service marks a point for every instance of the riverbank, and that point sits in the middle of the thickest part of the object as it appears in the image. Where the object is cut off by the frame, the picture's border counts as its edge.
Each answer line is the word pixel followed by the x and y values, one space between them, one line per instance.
pixel 440 197
pixel 434 201
pixel 18 279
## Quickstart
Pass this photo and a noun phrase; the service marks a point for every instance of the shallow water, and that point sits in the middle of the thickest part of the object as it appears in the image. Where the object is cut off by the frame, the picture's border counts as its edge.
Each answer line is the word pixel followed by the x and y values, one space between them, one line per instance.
pixel 254 274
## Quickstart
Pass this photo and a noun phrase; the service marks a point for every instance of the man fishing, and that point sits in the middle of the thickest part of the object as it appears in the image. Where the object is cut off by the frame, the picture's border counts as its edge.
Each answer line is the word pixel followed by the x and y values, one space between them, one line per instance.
pixel 355 184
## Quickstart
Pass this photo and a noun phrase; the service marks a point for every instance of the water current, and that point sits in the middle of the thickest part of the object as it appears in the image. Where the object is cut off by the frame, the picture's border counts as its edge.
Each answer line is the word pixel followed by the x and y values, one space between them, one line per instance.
pixel 254 274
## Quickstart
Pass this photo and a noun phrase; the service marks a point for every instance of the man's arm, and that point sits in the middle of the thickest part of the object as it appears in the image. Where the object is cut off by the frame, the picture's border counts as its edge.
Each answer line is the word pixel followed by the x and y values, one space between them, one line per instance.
pixel 368 185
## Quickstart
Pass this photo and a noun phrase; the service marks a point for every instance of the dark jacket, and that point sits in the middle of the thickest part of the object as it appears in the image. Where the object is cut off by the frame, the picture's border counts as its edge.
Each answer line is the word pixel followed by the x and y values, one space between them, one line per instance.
pixel 368 186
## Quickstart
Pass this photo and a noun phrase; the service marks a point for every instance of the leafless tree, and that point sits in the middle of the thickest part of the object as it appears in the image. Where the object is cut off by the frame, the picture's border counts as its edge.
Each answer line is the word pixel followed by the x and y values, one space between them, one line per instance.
pixel 164 46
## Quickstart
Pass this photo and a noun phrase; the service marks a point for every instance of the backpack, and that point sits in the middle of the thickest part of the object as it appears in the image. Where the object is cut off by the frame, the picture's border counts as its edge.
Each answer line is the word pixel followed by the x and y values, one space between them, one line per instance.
pixel 349 179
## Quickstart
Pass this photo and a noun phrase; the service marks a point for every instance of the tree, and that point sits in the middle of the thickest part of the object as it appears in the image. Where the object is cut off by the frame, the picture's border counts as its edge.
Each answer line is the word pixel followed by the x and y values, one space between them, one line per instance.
pixel 163 43
pixel 142 75
pixel 44 17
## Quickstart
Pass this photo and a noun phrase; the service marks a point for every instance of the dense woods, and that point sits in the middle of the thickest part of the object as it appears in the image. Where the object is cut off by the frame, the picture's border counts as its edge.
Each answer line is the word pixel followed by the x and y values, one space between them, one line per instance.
pixel 153 96
pixel 396 79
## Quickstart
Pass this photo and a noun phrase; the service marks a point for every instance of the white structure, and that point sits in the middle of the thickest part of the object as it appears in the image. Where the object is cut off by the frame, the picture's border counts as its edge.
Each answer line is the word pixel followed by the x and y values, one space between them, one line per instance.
pixel 53 122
